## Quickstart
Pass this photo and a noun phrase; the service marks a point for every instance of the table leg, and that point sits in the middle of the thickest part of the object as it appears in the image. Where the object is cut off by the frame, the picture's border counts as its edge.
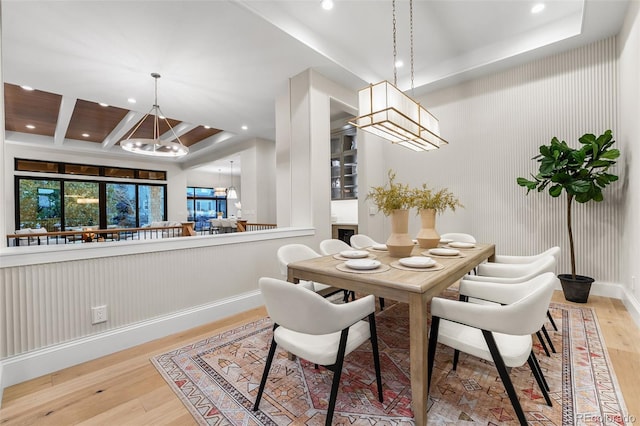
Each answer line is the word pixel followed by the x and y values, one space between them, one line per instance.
pixel 418 333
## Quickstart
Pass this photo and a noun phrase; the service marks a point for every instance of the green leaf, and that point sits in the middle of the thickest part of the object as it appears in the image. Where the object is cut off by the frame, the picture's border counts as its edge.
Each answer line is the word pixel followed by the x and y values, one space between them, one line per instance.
pixel 587 139
pixel 555 190
pixel 579 186
pixel 611 154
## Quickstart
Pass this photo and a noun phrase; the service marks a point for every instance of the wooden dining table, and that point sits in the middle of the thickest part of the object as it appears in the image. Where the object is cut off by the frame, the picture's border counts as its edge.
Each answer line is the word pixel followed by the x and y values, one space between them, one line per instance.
pixel 416 288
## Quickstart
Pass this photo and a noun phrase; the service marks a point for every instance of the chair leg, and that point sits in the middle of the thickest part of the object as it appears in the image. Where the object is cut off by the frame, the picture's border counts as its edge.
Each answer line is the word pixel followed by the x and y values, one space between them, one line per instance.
pixel 431 350
pixel 456 357
pixel 345 296
pixel 267 367
pixel 504 375
pixel 544 345
pixel 544 381
pixel 376 354
pixel 546 335
pixel 381 303
pixel 536 373
pixel 337 371
pixel 553 323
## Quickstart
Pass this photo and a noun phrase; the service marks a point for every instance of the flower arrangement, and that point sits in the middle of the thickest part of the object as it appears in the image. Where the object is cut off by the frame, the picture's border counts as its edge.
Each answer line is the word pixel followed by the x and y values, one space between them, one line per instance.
pixel 393 196
pixel 424 198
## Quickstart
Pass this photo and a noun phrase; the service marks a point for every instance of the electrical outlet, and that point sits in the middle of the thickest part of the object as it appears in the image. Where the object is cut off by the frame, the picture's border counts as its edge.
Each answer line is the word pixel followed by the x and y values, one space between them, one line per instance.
pixel 98 314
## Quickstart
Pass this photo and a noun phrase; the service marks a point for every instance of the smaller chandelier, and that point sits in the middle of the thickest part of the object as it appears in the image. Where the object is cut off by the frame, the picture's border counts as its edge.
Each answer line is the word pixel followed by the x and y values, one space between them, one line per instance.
pixel 232 194
pixel 155 147
pixel 386 111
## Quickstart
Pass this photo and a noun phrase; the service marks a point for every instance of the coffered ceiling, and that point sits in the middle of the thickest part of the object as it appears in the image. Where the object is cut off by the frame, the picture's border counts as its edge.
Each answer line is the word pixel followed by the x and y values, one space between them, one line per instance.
pixel 224 62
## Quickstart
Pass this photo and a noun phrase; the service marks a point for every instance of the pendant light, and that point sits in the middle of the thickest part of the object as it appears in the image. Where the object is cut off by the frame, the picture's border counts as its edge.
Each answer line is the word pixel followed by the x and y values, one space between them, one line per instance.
pixel 386 111
pixel 219 191
pixel 232 194
pixel 155 147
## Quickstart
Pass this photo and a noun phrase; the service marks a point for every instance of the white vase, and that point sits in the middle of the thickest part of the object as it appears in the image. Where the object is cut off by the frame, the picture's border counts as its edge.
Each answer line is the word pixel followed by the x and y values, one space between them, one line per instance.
pixel 399 242
pixel 428 237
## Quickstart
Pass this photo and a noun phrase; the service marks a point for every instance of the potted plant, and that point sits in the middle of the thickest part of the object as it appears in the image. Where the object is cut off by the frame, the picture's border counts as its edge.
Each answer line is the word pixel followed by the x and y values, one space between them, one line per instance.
pixel 429 203
pixel 394 200
pixel 581 174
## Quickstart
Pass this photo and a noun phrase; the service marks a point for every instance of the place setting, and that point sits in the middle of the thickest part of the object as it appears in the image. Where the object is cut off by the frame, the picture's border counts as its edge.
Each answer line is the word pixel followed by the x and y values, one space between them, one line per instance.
pixel 444 252
pixel 378 247
pixel 417 264
pixel 363 266
pixel 461 245
pixel 354 254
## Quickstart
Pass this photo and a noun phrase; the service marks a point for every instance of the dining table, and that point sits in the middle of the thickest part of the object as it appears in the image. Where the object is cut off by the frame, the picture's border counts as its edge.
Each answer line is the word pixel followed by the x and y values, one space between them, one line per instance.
pixel 393 281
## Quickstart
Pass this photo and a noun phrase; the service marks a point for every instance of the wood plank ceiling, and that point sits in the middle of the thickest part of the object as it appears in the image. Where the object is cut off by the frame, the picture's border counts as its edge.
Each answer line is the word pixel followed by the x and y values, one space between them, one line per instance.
pixel 36 112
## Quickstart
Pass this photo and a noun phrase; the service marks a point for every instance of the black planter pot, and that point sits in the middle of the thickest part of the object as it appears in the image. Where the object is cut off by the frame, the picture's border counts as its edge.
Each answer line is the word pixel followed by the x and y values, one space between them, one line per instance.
pixel 575 290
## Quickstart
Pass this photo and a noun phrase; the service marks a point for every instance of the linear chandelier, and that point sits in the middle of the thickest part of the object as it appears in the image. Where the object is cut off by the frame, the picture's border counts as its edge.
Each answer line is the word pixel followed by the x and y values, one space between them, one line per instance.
pixel 155 147
pixel 386 111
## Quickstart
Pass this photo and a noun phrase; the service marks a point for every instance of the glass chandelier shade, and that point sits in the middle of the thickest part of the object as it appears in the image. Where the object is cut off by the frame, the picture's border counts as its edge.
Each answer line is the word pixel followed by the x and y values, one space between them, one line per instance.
pixel 386 111
pixel 232 194
pixel 155 147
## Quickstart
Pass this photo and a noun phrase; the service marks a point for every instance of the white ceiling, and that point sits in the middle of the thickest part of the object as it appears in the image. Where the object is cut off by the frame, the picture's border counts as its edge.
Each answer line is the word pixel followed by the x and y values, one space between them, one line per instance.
pixel 223 62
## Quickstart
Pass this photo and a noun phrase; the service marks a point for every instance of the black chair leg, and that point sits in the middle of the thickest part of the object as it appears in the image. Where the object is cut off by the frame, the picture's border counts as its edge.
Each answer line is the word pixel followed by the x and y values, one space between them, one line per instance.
pixel 553 323
pixel 544 345
pixel 376 354
pixel 544 381
pixel 536 373
pixel 431 350
pixel 267 367
pixel 381 303
pixel 504 375
pixel 546 335
pixel 337 371
pixel 456 357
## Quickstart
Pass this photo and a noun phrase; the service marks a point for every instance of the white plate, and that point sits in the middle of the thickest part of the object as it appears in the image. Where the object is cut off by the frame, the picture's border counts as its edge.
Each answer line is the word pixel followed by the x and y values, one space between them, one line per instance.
pixel 444 252
pixel 445 240
pixel 417 262
pixel 460 244
pixel 362 264
pixel 379 247
pixel 354 254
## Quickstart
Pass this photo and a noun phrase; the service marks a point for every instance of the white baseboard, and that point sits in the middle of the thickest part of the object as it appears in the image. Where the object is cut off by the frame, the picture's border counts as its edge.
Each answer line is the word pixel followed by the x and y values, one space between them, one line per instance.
pixel 45 361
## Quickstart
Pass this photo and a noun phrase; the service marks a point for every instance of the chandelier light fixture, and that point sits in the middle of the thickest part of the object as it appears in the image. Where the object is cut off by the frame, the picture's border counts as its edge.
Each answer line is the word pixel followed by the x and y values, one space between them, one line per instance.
pixel 386 111
pixel 219 191
pixel 232 194
pixel 155 147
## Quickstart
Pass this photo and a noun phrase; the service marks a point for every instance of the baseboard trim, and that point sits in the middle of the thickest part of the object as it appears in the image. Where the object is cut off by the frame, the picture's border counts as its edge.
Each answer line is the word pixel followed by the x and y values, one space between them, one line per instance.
pixel 45 361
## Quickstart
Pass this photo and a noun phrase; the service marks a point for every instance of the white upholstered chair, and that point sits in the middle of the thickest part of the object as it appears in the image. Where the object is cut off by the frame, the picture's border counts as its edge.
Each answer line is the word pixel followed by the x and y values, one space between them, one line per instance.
pixel 497 333
pixel 310 327
pixel 507 273
pixel 297 252
pixel 333 246
pixel 360 241
pixel 503 258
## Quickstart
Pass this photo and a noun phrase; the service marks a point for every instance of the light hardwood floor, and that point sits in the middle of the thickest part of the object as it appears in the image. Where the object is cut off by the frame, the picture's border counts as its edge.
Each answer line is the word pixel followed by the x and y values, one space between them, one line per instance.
pixel 125 389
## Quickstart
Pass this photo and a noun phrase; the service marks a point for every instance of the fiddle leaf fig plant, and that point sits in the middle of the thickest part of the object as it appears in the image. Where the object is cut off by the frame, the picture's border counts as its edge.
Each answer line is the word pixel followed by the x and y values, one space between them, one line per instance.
pixel 582 173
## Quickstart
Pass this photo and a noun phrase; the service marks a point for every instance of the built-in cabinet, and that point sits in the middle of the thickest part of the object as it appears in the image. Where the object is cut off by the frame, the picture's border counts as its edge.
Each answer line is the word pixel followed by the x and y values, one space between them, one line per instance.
pixel 344 160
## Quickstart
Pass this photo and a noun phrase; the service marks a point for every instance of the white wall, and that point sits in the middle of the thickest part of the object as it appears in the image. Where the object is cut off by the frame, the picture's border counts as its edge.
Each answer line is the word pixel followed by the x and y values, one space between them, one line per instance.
pixel 346 211
pixel 629 90
pixel 258 180
pixel 495 125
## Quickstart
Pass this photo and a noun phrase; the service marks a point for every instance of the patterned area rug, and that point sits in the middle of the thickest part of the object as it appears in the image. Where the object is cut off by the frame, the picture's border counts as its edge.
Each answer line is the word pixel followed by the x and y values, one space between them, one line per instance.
pixel 217 380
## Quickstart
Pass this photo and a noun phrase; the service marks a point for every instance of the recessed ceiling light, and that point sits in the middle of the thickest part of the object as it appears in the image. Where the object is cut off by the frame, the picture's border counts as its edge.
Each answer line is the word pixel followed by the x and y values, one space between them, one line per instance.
pixel 102 104
pixel 29 88
pixel 207 127
pixel 399 64
pixel 244 127
pixel 537 8
pixel 85 135
pixel 30 126
pixel 131 101
pixel 161 117
pixel 327 4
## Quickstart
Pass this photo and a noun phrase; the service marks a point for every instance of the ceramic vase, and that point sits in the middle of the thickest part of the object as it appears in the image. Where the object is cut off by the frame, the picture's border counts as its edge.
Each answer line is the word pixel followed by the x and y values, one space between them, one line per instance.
pixel 428 237
pixel 400 243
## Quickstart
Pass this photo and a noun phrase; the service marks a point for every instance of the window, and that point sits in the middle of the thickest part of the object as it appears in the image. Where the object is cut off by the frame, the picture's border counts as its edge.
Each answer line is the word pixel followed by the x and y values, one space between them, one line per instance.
pixel 203 205
pixel 61 204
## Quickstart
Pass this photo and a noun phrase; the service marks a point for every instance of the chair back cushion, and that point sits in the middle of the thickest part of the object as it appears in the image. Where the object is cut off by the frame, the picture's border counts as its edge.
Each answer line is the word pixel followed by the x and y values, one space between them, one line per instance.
pixel 518 271
pixel 360 241
pixel 459 237
pixel 294 253
pixel 333 246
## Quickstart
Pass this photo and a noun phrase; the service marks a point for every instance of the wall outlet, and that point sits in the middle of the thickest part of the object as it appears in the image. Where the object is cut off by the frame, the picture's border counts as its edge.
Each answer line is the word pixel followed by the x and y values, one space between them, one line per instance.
pixel 98 314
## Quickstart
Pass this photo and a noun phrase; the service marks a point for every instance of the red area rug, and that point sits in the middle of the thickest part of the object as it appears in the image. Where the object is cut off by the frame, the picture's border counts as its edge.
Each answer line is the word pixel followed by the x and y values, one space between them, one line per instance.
pixel 217 380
